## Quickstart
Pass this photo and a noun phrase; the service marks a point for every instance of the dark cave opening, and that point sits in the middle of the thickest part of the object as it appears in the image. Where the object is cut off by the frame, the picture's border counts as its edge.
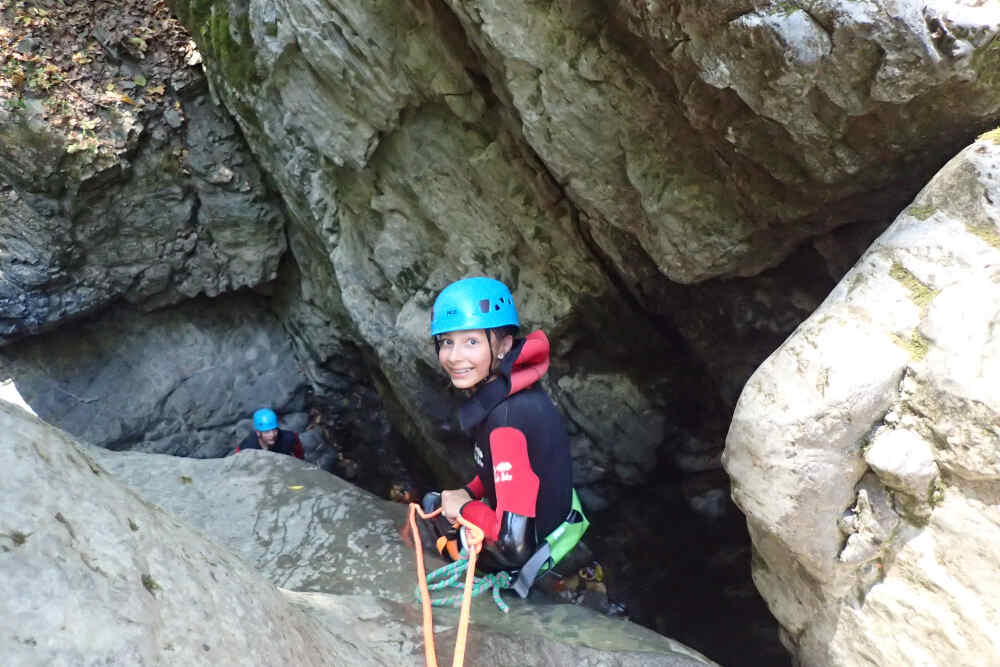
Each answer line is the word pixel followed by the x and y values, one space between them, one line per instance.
pixel 686 575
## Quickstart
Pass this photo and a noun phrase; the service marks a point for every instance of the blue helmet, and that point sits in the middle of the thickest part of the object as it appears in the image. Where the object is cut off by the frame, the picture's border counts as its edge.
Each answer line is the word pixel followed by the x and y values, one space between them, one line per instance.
pixel 473 303
pixel 265 420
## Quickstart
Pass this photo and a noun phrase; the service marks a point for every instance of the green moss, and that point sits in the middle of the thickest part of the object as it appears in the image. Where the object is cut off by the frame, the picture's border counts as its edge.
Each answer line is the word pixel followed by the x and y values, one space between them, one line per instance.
pixel 986 63
pixel 921 212
pixel 229 60
pixel 212 26
pixel 920 294
pixel 937 493
pixel 987 233
pixel 150 584
pixel 916 345
pixel 186 480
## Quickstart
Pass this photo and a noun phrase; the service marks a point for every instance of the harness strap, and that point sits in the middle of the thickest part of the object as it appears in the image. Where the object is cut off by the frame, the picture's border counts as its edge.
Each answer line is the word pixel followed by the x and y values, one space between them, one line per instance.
pixel 529 571
pixel 555 547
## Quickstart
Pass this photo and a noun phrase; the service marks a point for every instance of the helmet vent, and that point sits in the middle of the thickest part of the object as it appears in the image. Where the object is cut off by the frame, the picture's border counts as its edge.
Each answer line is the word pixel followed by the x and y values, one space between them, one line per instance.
pixel 473 303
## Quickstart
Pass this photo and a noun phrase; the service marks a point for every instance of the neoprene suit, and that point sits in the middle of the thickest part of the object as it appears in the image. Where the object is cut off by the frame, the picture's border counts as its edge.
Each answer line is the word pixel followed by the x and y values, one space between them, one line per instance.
pixel 287 443
pixel 524 481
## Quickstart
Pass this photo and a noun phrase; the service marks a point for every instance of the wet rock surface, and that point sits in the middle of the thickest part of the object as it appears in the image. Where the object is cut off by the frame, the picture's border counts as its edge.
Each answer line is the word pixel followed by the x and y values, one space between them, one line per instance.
pixel 106 561
pixel 94 573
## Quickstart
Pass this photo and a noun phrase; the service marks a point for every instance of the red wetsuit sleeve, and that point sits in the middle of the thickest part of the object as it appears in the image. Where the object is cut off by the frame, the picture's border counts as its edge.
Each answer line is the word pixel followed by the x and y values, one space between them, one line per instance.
pixel 479 513
pixel 297 450
pixel 516 483
pixel 476 488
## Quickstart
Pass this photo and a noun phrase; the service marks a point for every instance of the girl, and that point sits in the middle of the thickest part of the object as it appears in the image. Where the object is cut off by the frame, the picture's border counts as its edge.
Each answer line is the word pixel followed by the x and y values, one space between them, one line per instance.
pixel 523 488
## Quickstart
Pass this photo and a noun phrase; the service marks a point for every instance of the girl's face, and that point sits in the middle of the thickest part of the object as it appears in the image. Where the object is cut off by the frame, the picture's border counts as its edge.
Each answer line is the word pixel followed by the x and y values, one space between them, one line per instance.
pixel 466 355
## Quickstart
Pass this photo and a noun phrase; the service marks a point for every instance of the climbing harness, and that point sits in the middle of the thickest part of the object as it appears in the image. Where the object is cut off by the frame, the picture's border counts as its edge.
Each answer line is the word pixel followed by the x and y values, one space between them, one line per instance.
pixel 475 541
pixel 555 546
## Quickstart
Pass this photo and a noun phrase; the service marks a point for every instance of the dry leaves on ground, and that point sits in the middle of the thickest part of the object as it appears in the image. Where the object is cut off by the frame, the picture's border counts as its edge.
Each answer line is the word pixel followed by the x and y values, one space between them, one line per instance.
pixel 88 67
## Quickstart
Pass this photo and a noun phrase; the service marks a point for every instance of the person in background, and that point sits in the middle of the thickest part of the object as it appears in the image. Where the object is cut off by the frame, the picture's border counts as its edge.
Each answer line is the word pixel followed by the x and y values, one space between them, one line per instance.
pixel 267 435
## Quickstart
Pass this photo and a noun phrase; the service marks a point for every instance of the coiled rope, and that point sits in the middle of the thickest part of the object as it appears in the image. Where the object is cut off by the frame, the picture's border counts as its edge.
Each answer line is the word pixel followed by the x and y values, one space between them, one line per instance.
pixel 450 576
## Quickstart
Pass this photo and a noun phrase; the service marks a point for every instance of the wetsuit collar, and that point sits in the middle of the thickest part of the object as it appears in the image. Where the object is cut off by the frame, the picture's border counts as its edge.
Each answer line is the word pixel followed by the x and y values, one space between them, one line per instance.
pixel 473 411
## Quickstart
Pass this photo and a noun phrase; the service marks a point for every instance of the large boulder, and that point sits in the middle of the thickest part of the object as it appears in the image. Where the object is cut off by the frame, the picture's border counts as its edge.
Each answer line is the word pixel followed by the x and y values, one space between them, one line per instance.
pixel 864 450
pixel 95 573
pixel 92 573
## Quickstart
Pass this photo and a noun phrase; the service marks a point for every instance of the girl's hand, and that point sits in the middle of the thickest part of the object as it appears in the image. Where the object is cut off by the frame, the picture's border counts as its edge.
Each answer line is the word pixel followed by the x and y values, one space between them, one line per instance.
pixel 452 501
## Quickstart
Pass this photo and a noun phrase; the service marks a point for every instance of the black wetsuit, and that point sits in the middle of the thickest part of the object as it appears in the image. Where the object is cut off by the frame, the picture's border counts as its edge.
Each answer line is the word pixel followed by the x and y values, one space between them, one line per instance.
pixel 524 478
pixel 287 443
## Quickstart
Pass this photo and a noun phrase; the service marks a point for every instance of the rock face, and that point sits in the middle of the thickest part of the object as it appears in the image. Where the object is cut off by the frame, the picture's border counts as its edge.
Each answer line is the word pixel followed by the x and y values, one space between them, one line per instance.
pixel 601 159
pixel 864 450
pixel 95 573
pixel 592 157
pixel 175 214
pixel 670 188
pixel 180 381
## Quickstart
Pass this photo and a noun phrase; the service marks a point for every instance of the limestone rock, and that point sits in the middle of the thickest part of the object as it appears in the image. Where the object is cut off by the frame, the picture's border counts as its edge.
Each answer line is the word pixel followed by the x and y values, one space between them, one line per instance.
pixel 626 420
pixel 95 573
pixel 180 381
pixel 903 349
pixel 151 224
pixel 92 573
pixel 591 156
pixel 307 530
pixel 904 460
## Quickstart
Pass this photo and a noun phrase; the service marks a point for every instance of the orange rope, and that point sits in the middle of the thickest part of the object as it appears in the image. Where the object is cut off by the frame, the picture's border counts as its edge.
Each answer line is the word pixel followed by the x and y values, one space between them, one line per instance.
pixel 475 538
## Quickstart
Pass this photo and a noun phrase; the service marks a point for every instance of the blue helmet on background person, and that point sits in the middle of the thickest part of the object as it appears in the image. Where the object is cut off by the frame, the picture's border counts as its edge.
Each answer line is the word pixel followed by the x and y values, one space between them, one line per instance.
pixel 473 303
pixel 265 420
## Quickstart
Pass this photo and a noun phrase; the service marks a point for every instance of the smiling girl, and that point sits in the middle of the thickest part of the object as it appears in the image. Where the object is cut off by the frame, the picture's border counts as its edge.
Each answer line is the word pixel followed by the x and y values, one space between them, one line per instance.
pixel 523 488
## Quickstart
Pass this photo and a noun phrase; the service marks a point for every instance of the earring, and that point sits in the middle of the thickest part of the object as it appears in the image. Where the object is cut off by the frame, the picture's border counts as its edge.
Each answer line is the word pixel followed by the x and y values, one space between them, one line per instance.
pixel 500 356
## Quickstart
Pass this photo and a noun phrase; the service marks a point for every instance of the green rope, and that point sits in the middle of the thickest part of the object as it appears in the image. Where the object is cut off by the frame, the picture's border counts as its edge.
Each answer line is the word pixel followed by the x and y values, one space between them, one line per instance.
pixel 451 575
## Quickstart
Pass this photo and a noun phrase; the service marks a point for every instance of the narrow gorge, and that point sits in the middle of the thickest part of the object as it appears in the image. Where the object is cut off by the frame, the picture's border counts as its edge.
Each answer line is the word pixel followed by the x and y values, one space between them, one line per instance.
pixel 763 238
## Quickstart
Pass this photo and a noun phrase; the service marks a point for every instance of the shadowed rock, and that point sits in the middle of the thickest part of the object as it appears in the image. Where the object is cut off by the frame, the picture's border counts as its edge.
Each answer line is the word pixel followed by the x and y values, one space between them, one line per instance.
pixel 181 381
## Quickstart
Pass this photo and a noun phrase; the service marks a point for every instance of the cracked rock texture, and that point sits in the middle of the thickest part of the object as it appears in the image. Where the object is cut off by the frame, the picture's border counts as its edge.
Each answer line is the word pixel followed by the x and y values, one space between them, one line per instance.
pixel 95 573
pixel 620 165
pixel 895 565
pixel 174 214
